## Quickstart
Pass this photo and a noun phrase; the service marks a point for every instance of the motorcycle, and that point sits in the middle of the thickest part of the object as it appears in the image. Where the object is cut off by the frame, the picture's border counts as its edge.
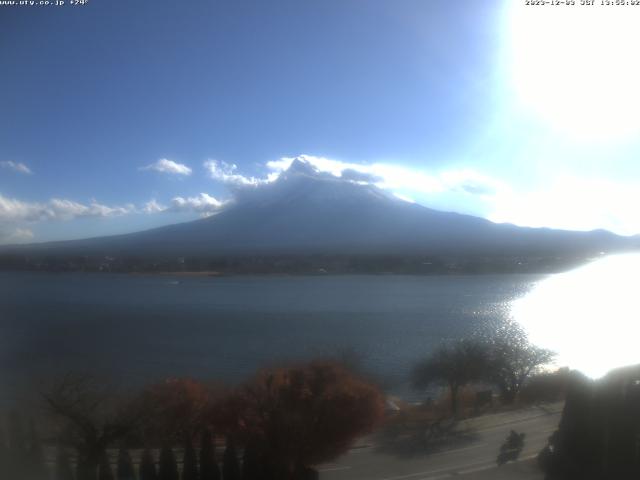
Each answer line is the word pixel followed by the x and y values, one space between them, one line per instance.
pixel 511 448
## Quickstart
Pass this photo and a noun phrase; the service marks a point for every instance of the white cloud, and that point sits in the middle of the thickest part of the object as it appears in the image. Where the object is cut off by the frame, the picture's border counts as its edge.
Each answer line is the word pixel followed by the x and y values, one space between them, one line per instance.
pixel 152 206
pixel 359 177
pixel 13 210
pixel 15 235
pixel 404 197
pixel 568 202
pixel 165 165
pixel 396 177
pixel 58 209
pixel 572 203
pixel 204 204
pixel 16 167
pixel 68 209
pixel 226 173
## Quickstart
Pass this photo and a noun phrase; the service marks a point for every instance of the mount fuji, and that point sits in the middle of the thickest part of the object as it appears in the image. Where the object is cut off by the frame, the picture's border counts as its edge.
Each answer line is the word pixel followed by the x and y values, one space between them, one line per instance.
pixel 306 212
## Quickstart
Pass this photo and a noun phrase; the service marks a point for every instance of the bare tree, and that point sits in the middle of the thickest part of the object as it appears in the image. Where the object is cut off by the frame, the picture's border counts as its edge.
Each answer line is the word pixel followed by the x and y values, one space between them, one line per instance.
pixel 90 416
pixel 62 470
pixel 453 365
pixel 513 359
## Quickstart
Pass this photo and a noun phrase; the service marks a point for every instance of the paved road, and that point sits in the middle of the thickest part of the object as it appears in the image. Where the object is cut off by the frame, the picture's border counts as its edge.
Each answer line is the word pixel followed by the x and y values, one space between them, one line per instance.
pixel 472 457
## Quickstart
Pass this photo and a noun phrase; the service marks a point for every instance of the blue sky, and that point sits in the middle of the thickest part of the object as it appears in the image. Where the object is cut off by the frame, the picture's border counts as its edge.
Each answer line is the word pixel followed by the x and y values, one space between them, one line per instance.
pixel 121 115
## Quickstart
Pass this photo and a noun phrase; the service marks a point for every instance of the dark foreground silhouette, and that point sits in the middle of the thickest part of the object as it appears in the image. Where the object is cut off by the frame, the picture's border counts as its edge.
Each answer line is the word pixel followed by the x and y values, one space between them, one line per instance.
pixel 599 434
pixel 277 426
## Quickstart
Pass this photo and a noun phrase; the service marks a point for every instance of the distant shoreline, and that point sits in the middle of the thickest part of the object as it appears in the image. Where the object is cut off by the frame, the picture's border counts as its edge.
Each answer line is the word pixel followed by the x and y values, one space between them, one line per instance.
pixel 214 274
pixel 295 265
pixel 206 273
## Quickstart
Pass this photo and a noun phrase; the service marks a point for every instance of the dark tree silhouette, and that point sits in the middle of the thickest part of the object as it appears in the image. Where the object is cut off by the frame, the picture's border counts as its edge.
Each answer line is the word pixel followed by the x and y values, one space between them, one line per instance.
pixel 17 436
pixel 4 453
pixel 104 468
pixel 91 416
pixel 230 465
pixel 597 437
pixel 178 407
pixel 22 456
pixel 125 470
pixel 513 359
pixel 35 455
pixel 302 416
pixel 148 466
pixel 453 365
pixel 252 466
pixel 18 454
pixel 546 386
pixel 209 469
pixel 86 469
pixel 62 470
pixel 168 468
pixel 190 462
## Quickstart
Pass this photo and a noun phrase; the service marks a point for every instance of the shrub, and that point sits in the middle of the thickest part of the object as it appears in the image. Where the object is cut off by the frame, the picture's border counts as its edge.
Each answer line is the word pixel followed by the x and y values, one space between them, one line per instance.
pixel 301 416
pixel 546 387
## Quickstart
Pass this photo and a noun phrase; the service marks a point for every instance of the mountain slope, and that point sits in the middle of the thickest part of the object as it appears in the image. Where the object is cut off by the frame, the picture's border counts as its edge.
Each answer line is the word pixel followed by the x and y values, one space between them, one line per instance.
pixel 308 212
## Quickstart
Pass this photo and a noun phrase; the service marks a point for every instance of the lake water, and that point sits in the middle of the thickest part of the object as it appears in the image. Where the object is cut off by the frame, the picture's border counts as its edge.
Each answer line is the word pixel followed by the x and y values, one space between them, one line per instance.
pixel 142 328
pixel 590 316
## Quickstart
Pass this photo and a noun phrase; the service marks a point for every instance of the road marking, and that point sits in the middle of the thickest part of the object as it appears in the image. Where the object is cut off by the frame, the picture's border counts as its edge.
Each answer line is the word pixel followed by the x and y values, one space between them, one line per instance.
pixel 418 474
pixel 459 449
pixel 430 472
pixel 513 422
pixel 435 454
pixel 490 466
pixel 451 471
pixel 477 469
pixel 439 477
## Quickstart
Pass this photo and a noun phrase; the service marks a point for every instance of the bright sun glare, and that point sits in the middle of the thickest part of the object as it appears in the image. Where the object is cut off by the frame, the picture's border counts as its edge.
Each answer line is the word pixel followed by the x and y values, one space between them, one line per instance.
pixel 576 67
pixel 589 316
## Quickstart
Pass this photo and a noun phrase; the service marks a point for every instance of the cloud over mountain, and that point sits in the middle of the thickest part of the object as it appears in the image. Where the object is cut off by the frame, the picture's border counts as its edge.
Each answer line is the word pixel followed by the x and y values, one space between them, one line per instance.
pixel 395 178
pixel 563 203
pixel 204 204
pixel 313 212
pixel 227 173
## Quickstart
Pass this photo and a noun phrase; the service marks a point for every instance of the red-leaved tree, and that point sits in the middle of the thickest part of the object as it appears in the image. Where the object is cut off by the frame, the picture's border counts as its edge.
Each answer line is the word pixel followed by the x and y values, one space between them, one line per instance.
pixel 294 418
pixel 178 407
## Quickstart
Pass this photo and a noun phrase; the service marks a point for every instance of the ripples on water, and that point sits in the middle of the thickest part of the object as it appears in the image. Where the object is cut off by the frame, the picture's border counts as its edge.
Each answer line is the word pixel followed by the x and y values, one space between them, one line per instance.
pixel 143 327
pixel 589 316
pixel 139 328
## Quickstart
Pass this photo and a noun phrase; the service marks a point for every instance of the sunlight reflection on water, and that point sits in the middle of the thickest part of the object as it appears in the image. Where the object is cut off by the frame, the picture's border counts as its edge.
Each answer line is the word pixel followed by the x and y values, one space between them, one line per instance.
pixel 589 316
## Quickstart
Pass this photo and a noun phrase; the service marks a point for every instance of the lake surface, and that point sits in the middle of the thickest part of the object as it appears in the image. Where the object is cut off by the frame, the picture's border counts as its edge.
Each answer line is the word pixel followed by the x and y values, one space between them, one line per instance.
pixel 589 316
pixel 142 328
